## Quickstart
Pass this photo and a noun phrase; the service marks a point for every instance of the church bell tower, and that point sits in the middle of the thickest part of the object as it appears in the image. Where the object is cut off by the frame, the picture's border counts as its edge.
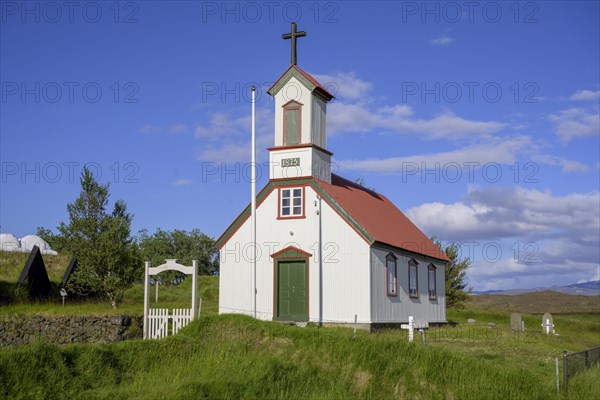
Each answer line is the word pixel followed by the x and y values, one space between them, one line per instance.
pixel 300 148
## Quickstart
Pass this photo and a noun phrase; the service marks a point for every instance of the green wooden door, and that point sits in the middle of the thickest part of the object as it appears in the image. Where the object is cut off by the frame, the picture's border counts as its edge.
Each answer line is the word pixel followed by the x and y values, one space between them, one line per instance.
pixel 292 291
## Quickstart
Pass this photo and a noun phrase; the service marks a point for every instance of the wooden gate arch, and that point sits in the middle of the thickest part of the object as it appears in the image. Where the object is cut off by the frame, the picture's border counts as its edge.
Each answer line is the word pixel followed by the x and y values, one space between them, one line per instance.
pixel 156 320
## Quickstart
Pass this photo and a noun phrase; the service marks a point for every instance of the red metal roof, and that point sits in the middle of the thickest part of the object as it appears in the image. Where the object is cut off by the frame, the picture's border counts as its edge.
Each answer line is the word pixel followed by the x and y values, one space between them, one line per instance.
pixel 380 217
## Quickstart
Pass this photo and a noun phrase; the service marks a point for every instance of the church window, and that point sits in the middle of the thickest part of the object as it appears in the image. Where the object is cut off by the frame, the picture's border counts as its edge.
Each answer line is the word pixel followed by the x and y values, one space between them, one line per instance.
pixel 413 279
pixel 292 123
pixel 431 282
pixel 291 202
pixel 391 275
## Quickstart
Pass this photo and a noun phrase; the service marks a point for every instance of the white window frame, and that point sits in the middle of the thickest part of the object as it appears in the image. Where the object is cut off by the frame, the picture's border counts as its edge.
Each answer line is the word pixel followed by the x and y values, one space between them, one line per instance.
pixel 432 284
pixel 413 291
pixel 295 202
pixel 391 279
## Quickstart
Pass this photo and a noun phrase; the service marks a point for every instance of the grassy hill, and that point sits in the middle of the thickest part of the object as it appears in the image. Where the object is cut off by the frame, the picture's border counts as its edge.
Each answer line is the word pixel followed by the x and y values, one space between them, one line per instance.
pixel 11 265
pixel 230 356
pixel 170 296
pixel 537 303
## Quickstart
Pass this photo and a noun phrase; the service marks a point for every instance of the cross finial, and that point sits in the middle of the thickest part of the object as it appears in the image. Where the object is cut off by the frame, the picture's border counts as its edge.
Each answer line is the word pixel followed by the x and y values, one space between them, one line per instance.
pixel 294 35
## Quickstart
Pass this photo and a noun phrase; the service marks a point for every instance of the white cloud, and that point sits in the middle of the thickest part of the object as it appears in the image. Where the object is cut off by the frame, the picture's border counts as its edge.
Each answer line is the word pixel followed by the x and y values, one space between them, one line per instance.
pixel 236 150
pixel 542 239
pixel 508 273
pixel 505 152
pixel 503 213
pixel 223 125
pixel 442 41
pixel 182 182
pixel 230 137
pixel 585 95
pixel 227 153
pixel 345 85
pixel 568 166
pixel 344 117
pixel 575 123
pixel 357 111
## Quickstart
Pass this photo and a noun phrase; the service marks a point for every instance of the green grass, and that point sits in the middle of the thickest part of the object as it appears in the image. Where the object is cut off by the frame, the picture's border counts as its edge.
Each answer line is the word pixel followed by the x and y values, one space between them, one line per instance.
pixel 169 296
pixel 584 385
pixel 238 357
pixel 12 263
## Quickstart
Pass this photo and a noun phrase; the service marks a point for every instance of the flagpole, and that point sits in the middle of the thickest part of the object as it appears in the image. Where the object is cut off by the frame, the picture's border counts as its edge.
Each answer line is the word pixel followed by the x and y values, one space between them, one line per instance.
pixel 253 202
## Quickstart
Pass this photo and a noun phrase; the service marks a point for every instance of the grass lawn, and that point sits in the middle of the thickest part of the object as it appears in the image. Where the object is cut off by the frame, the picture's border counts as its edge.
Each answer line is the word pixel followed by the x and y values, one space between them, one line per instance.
pixel 227 356
pixel 237 357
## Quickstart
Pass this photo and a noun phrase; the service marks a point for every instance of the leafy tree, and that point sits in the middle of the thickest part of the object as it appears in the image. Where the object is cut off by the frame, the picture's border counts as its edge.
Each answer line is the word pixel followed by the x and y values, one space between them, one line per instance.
pixel 181 245
pixel 56 242
pixel 456 273
pixel 108 260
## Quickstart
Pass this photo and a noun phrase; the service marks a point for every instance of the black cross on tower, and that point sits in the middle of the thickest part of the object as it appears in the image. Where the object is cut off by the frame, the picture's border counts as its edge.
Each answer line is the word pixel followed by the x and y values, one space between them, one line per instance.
pixel 293 35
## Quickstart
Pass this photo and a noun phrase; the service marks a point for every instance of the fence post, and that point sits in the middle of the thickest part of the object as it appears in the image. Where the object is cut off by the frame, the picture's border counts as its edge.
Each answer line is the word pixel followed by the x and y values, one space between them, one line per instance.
pixel 587 361
pixel 557 376
pixel 565 369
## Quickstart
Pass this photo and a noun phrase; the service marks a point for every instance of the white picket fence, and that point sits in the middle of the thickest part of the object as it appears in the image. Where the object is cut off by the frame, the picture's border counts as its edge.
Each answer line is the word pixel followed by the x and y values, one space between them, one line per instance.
pixel 158 321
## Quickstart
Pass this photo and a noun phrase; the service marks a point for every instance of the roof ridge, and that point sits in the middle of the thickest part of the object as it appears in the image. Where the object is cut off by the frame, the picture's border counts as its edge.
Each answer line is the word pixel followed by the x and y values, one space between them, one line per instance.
pixel 358 185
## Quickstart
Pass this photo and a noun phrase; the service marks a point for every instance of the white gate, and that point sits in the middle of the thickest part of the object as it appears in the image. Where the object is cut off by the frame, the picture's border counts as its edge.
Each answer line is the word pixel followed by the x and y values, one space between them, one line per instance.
pixel 156 320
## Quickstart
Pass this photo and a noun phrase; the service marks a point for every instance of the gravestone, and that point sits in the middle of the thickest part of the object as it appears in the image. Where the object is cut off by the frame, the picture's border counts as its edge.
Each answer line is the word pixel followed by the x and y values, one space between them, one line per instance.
pixel 34 274
pixel 516 323
pixel 547 323
pixel 411 328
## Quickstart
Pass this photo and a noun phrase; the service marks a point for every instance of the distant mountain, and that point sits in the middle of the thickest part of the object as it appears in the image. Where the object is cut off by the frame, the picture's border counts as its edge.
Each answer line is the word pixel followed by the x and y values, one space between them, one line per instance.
pixel 591 288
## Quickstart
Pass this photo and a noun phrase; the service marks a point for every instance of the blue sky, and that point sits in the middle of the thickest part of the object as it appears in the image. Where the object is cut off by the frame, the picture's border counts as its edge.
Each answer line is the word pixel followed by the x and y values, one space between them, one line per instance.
pixel 480 122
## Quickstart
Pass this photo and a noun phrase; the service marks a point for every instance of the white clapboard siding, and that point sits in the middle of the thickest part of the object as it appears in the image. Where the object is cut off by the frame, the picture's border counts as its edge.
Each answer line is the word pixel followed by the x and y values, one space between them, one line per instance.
pixel 346 273
pixel 386 308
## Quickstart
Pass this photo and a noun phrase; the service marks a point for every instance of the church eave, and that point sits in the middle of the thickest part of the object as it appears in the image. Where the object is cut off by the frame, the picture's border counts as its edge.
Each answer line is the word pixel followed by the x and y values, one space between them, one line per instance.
pixel 299 146
pixel 428 258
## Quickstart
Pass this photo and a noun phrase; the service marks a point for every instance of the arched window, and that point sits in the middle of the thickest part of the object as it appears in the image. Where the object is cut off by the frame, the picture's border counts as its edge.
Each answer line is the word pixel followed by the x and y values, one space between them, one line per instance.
pixel 391 280
pixel 413 278
pixel 431 282
pixel 292 123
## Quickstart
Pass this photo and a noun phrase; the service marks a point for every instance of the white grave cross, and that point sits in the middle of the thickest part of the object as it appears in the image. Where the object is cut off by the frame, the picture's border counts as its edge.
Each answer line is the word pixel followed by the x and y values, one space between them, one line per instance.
pixel 411 328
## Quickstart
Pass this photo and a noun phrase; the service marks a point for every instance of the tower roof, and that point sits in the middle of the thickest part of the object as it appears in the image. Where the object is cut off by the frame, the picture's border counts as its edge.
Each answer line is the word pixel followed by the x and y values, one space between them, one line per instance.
pixel 304 77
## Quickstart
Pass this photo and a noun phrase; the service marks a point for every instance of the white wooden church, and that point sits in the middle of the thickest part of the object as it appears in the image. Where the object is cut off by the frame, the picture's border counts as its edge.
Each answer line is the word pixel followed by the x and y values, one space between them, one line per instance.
pixel 328 250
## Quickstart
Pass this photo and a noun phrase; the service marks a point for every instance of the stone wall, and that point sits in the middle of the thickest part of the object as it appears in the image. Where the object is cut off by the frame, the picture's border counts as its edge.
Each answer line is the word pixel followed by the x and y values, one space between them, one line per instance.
pixel 63 329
